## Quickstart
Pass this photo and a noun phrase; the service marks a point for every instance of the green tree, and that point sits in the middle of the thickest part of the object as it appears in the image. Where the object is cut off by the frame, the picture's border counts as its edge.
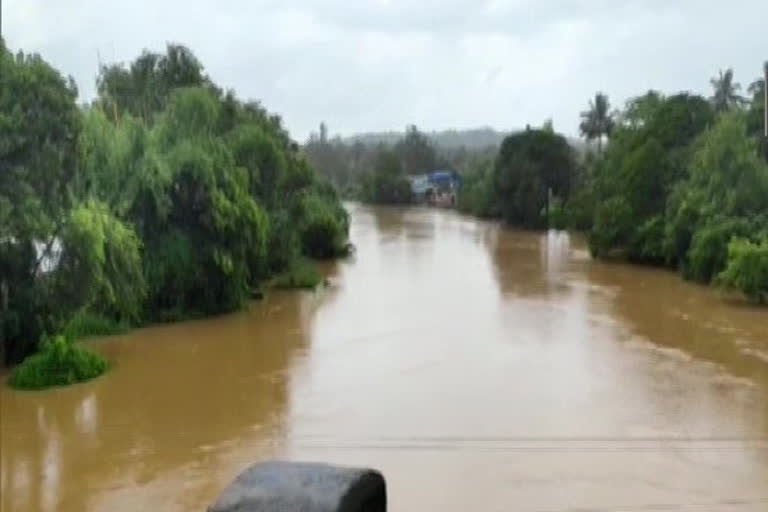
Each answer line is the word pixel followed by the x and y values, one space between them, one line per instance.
pixel 725 195
pixel 476 194
pixel 530 166
pixel 647 158
pixel 725 95
pixel 39 123
pixel 205 245
pixel 165 198
pixel 597 122
pixel 388 182
pixel 757 123
pixel 142 88
pixel 747 269
pixel 417 153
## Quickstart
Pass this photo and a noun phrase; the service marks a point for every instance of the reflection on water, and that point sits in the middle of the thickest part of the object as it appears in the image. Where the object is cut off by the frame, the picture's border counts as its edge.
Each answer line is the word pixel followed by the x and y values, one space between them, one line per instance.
pixel 470 363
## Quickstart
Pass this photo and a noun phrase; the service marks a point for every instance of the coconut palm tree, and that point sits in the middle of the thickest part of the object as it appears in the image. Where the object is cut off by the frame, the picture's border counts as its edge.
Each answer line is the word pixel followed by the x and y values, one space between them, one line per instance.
pixel 597 122
pixel 765 100
pixel 726 96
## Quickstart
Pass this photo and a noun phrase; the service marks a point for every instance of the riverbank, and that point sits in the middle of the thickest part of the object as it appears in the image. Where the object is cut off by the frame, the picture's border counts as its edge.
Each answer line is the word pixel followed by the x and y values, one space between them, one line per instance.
pixel 62 360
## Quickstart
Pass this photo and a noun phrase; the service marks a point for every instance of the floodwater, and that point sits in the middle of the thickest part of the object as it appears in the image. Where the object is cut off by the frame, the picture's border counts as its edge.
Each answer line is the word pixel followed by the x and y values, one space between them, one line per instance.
pixel 478 368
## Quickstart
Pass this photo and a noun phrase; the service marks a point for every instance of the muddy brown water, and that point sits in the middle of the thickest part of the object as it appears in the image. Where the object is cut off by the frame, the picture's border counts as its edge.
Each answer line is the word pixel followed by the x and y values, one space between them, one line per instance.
pixel 479 368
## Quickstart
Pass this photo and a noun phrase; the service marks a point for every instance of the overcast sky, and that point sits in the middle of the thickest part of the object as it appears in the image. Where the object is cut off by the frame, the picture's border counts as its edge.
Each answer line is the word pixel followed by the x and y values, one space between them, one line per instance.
pixel 365 65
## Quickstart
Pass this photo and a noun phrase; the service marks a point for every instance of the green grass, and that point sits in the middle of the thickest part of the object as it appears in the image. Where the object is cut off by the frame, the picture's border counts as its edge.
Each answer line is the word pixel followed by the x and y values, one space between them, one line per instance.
pixel 302 273
pixel 86 323
pixel 59 362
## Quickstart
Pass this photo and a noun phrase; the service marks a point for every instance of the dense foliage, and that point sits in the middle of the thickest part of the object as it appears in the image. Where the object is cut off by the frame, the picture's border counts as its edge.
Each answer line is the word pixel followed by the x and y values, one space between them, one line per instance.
pixel 388 183
pixel 527 183
pixel 165 198
pixel 531 167
pixel 679 180
pixel 351 166
pixel 477 194
pixel 747 268
pixel 683 182
pixel 58 363
pixel 301 274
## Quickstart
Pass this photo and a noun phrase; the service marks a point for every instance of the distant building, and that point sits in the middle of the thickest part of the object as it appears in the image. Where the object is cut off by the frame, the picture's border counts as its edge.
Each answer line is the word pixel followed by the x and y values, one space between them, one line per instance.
pixel 419 186
pixel 436 187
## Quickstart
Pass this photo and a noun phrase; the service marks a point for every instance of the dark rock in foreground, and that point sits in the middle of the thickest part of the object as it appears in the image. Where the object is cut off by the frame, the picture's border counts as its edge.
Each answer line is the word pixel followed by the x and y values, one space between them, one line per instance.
pixel 303 487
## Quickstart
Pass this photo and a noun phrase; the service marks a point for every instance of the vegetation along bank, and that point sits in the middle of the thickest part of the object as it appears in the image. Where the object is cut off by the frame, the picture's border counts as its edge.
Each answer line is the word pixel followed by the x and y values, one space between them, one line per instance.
pixel 679 181
pixel 164 198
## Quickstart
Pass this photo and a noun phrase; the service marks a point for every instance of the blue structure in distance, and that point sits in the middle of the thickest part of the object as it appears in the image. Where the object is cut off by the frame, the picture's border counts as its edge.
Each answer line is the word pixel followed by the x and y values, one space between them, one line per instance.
pixel 436 187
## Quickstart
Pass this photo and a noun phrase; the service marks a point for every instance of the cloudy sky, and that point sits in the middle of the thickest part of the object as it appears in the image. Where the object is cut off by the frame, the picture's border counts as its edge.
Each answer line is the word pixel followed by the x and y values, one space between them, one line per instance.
pixel 365 65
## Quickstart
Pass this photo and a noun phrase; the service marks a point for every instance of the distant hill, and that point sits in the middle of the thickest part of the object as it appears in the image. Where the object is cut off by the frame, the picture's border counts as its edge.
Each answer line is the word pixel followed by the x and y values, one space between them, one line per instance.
pixel 472 139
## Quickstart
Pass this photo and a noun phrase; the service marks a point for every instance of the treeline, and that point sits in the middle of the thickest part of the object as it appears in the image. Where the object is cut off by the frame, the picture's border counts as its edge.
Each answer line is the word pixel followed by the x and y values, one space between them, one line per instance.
pixel 164 198
pixel 375 167
pixel 472 139
pixel 678 181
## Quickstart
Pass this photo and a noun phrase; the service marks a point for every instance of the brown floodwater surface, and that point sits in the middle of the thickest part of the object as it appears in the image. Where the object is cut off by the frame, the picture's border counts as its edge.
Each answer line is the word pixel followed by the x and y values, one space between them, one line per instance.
pixel 479 368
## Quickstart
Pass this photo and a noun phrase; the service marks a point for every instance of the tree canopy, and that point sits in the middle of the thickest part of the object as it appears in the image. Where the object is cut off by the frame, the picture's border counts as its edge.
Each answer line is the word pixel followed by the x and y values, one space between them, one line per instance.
pixel 597 122
pixel 530 167
pixel 164 198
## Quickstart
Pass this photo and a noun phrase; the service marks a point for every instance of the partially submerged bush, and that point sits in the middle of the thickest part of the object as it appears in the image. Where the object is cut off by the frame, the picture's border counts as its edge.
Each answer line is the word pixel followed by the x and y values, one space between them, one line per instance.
pixel 708 253
pixel 88 323
pixel 58 363
pixel 301 274
pixel 747 269
pixel 323 230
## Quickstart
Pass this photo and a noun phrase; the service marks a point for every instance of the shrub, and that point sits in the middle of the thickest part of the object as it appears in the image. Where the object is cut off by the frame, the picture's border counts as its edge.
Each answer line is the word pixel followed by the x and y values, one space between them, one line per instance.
pixel 88 323
pixel 709 248
pixel 301 274
pixel 613 223
pixel 476 194
pixel 579 210
pixel 648 241
pixel 283 245
pixel 58 363
pixel 323 229
pixel 747 269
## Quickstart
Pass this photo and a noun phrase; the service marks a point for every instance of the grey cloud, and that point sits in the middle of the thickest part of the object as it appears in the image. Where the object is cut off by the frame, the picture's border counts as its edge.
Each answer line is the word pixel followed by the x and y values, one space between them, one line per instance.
pixel 379 64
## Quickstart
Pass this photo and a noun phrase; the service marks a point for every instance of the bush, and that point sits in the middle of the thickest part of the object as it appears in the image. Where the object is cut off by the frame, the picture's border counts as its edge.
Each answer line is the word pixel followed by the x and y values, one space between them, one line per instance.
pixel 283 245
pixel 388 183
pixel 747 269
pixel 476 195
pixel 709 248
pixel 323 230
pixel 648 241
pixel 613 223
pixel 579 210
pixel 59 363
pixel 88 323
pixel 301 274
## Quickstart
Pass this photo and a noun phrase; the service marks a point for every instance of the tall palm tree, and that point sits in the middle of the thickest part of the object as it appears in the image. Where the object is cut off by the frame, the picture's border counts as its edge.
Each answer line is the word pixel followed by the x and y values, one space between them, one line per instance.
pixel 765 99
pixel 597 121
pixel 726 96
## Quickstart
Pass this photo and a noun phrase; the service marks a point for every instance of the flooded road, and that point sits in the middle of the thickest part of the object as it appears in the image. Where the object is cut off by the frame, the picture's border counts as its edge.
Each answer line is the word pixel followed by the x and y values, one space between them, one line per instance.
pixel 478 368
